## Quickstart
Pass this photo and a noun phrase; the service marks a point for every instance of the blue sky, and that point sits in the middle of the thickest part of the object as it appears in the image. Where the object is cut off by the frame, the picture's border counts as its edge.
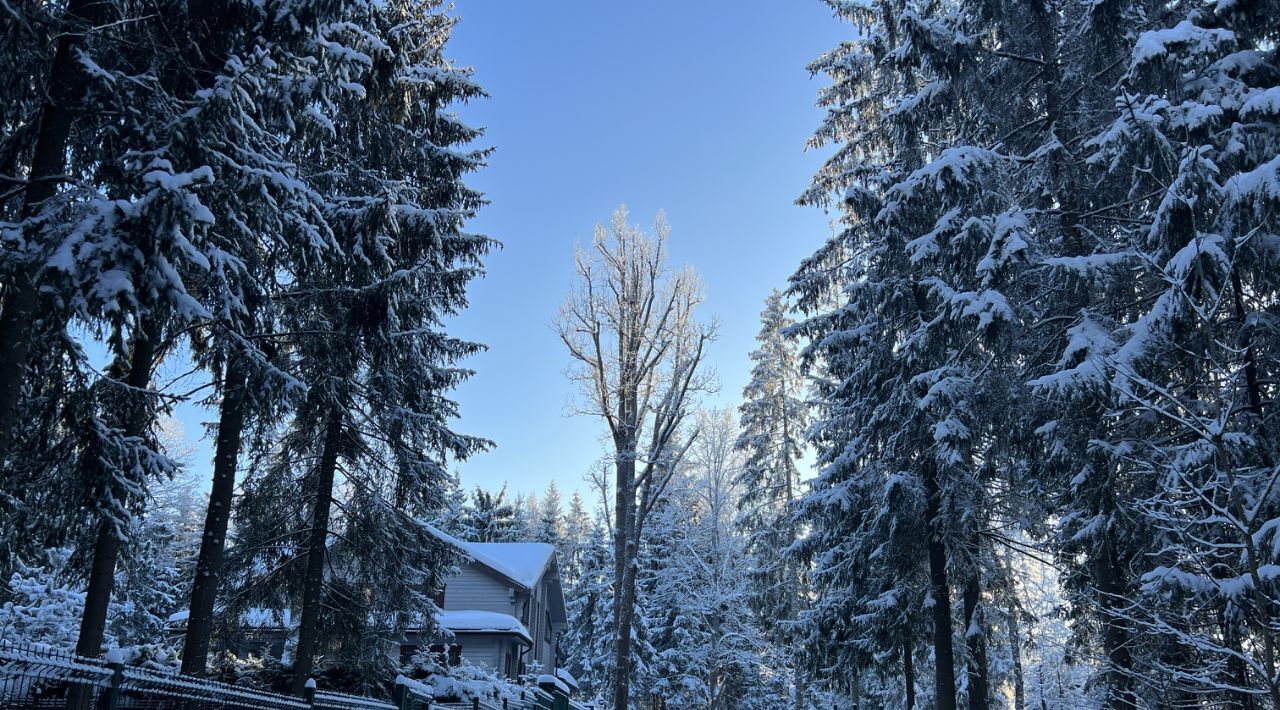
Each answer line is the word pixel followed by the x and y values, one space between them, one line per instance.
pixel 700 108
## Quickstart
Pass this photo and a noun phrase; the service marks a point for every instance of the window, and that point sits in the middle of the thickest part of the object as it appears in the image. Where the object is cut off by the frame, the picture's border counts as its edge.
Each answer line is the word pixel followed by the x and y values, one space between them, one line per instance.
pixel 546 629
pixel 439 598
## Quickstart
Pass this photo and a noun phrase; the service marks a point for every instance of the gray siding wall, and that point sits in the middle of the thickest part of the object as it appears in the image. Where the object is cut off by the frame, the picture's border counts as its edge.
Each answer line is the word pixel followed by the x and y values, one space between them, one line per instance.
pixel 481 650
pixel 543 650
pixel 473 590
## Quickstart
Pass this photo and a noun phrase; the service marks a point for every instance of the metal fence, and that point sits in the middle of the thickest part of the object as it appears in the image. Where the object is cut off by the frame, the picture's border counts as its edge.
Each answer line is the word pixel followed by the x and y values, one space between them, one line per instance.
pixel 529 699
pixel 33 678
pixel 38 679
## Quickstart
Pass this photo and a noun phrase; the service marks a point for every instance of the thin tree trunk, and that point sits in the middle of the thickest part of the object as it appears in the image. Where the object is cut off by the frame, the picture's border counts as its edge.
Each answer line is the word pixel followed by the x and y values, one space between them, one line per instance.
pixel 800 688
pixel 1015 651
pixel 976 642
pixel 944 654
pixel 908 670
pixel 855 692
pixel 204 588
pixel 19 316
pixel 1237 672
pixel 313 583
pixel 1253 392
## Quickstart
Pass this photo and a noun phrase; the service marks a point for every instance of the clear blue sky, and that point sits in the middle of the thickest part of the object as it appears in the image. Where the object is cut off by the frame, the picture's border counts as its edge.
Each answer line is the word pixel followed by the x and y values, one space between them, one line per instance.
pixel 697 107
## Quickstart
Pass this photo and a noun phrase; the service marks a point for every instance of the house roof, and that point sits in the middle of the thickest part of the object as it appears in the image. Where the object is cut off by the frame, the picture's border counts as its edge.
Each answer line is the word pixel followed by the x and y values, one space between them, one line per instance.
pixel 476 622
pixel 522 563
pixel 525 562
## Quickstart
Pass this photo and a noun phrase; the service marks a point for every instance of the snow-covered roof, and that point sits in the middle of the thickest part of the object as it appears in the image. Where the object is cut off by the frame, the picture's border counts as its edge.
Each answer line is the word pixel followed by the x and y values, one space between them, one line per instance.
pixel 567 677
pixel 474 622
pixel 523 562
pixel 552 680
pixel 520 562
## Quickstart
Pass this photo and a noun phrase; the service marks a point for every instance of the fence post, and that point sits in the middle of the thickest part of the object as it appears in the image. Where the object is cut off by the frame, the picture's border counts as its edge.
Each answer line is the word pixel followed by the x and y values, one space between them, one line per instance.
pixel 309 692
pixel 475 704
pixel 115 661
pixel 401 695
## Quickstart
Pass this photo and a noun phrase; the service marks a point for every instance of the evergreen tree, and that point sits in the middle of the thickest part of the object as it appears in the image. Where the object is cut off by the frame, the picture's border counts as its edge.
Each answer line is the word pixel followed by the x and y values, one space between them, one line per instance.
pixel 588 643
pixel 550 526
pixel 1190 159
pixel 709 650
pixel 490 517
pixel 371 430
pixel 773 422
pixel 577 526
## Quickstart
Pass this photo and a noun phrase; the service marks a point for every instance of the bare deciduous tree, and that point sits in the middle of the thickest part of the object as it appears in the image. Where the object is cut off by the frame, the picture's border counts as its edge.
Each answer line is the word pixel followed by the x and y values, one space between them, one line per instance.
pixel 638 356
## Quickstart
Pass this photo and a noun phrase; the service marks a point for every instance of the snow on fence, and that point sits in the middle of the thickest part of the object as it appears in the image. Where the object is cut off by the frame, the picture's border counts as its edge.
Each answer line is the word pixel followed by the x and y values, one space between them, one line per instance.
pixel 530 699
pixel 324 700
pixel 34 678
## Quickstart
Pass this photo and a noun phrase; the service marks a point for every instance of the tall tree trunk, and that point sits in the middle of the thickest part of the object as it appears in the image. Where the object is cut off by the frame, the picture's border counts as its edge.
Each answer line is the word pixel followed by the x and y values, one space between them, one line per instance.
pixel 626 612
pixel 1115 632
pixel 106 548
pixel 624 570
pixel 976 641
pixel 204 588
pixel 313 582
pixel 19 315
pixel 908 669
pixel 943 652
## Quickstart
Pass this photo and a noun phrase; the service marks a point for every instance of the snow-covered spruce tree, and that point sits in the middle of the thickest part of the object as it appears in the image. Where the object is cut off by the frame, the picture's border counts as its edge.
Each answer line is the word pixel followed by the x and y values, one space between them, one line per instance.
pixel 709 649
pixel 1084 289
pixel 948 171
pixel 46 194
pixel 929 246
pixel 53 75
pixel 454 518
pixel 490 518
pixel 638 353
pixel 577 526
pixel 1195 144
pixel 550 525
pixel 588 642
pixel 774 419
pixel 131 256
pixel 330 524
pixel 275 222
pixel 525 522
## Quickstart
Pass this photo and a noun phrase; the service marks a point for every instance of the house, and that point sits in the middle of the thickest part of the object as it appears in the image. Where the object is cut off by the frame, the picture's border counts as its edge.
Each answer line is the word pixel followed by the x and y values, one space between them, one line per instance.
pixel 505 607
